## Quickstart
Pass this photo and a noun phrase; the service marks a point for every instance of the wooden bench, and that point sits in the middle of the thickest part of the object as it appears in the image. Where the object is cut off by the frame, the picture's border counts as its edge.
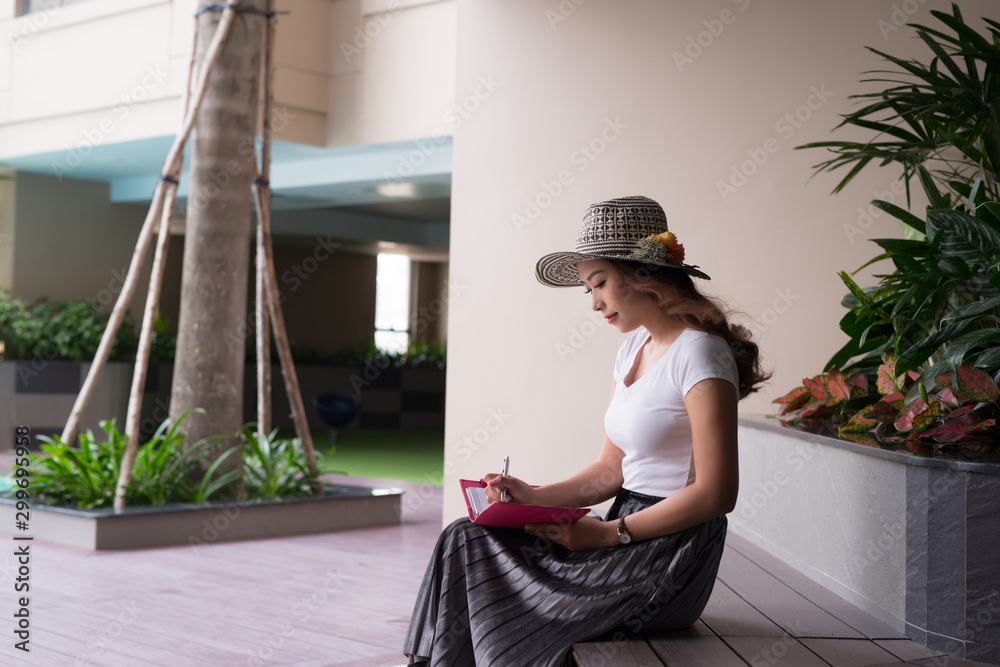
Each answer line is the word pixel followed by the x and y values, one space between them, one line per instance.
pixel 763 613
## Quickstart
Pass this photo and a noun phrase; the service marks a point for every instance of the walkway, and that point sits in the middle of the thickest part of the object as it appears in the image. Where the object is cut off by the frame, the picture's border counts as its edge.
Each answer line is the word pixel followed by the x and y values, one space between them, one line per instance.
pixel 344 599
pixel 312 601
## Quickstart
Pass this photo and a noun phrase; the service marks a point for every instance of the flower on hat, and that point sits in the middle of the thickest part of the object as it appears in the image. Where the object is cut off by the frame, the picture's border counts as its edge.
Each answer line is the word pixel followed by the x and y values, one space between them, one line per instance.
pixel 661 247
pixel 648 250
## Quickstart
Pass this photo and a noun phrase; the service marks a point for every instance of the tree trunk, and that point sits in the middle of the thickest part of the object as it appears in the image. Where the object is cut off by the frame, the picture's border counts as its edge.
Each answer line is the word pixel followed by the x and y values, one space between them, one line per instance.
pixel 213 324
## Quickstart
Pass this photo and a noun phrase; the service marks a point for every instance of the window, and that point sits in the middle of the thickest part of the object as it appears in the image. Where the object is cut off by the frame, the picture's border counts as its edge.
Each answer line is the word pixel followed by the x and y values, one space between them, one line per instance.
pixel 392 303
pixel 49 7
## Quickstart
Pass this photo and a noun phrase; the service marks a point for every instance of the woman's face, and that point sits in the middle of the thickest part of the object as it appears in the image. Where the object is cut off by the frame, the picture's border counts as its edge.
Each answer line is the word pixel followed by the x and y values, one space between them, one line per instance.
pixel 622 306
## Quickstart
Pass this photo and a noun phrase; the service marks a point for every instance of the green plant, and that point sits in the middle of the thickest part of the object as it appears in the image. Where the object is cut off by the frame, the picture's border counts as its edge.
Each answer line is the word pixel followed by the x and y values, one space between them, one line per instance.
pixel 162 346
pixel 420 353
pixel 163 470
pixel 274 468
pixel 47 329
pixel 941 115
pixel 86 477
pixel 941 303
pixel 926 335
pixel 71 331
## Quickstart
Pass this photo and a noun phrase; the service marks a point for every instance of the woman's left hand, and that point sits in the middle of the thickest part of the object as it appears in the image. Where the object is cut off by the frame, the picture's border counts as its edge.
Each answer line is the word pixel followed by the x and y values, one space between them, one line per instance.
pixel 587 533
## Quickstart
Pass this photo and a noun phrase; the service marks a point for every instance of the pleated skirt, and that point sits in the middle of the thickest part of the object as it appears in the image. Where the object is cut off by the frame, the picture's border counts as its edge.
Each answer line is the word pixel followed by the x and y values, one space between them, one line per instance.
pixel 502 598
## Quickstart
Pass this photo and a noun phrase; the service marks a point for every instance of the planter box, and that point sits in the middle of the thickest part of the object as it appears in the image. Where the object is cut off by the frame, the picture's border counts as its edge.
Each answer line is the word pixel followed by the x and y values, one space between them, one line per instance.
pixel 912 541
pixel 40 394
pixel 196 525
pixel 392 398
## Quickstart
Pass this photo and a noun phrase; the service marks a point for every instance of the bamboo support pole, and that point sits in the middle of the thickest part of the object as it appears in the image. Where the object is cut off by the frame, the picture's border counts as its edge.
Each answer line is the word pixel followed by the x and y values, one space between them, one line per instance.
pixel 171 164
pixel 262 200
pixel 263 343
pixel 263 319
pixel 117 315
pixel 134 413
pixel 281 340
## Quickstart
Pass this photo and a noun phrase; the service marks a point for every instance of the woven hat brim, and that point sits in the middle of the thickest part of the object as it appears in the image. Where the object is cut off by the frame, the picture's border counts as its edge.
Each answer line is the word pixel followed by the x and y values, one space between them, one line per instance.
pixel 558 269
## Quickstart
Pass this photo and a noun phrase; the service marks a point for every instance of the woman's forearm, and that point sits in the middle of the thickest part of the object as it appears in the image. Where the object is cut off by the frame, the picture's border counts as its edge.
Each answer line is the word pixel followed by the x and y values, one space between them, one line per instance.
pixel 594 484
pixel 688 507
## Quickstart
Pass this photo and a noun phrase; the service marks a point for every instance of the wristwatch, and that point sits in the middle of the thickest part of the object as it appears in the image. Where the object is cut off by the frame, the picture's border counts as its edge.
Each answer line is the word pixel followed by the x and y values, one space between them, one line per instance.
pixel 623 535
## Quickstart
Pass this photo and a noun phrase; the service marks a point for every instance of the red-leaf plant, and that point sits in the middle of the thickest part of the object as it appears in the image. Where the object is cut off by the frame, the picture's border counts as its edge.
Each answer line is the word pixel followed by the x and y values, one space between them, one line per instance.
pixel 961 407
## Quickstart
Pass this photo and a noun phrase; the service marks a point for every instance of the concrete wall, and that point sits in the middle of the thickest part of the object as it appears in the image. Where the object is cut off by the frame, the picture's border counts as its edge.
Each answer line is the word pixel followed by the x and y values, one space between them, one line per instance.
pixel 329 293
pixel 430 301
pixel 393 71
pixel 40 394
pixel 836 516
pixel 347 72
pixel 94 68
pixel 678 101
pixel 75 246
pixel 331 307
pixel 908 539
pixel 8 197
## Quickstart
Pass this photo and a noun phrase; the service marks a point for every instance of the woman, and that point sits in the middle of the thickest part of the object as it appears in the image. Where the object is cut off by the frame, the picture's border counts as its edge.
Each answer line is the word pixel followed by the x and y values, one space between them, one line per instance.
pixel 507 597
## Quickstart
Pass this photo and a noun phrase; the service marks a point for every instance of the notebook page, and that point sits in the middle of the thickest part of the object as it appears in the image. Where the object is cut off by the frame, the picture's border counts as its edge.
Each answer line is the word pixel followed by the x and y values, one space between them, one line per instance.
pixel 477 499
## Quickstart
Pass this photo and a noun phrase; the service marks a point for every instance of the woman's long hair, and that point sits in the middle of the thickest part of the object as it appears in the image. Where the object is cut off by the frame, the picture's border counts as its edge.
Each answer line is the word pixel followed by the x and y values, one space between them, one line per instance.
pixel 676 295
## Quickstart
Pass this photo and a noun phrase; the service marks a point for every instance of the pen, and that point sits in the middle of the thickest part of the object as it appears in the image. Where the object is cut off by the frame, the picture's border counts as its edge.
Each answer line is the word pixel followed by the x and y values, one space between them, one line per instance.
pixel 503 473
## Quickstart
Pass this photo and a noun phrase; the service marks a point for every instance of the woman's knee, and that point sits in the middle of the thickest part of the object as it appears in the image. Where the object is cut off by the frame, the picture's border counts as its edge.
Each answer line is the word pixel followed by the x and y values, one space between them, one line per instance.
pixel 460 530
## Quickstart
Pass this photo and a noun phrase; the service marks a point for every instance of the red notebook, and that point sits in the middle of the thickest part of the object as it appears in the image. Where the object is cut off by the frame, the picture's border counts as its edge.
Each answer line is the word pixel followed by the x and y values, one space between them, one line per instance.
pixel 513 515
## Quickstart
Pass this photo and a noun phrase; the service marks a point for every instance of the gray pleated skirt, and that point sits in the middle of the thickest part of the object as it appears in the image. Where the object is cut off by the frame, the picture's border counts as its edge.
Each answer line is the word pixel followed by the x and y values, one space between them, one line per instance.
pixel 500 597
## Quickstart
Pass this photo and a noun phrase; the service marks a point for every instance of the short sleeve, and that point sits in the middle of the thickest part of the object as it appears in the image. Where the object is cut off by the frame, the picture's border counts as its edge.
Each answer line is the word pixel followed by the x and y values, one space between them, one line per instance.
pixel 707 356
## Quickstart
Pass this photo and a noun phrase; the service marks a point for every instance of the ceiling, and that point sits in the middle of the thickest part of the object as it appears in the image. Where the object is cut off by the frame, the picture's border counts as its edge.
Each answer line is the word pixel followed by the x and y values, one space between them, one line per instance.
pixel 394 195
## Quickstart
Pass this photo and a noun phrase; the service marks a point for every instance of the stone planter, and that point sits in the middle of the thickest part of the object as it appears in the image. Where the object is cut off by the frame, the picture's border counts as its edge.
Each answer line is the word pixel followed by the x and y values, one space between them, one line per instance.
pixel 392 398
pixel 40 394
pixel 910 540
pixel 341 508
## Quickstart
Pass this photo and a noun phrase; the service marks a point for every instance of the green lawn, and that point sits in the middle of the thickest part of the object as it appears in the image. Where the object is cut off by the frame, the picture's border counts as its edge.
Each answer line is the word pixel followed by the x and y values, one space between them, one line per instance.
pixel 415 456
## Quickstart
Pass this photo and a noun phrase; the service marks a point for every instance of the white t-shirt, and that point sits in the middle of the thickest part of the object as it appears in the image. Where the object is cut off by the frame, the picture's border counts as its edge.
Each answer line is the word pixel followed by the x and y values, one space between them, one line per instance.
pixel 648 421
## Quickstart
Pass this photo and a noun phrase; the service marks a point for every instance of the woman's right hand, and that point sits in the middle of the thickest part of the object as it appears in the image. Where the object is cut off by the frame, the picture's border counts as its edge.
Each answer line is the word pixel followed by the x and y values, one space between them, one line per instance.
pixel 518 491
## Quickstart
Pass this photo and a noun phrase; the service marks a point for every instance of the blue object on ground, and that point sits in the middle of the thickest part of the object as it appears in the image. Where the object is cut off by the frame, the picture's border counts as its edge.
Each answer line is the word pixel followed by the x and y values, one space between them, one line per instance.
pixel 335 409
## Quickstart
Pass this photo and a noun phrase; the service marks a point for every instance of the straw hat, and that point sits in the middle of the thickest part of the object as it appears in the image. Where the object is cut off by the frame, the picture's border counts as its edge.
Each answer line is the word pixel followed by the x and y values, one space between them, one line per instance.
pixel 629 228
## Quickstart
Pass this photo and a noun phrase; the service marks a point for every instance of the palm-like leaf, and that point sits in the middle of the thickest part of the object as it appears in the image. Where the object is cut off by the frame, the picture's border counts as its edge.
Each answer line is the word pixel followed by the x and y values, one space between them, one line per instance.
pixel 939 116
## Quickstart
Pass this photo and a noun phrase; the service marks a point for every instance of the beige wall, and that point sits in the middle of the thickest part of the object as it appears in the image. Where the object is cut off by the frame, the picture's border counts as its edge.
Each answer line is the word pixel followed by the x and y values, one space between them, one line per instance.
pixel 8 197
pixel 347 72
pixel 92 72
pixel 328 293
pixel 393 71
pixel 77 246
pixel 530 367
pixel 112 71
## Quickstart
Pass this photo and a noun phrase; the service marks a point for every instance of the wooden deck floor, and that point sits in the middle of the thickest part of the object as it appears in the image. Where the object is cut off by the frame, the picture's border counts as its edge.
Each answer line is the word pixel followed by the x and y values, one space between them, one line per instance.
pixel 762 612
pixel 344 599
pixel 313 601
